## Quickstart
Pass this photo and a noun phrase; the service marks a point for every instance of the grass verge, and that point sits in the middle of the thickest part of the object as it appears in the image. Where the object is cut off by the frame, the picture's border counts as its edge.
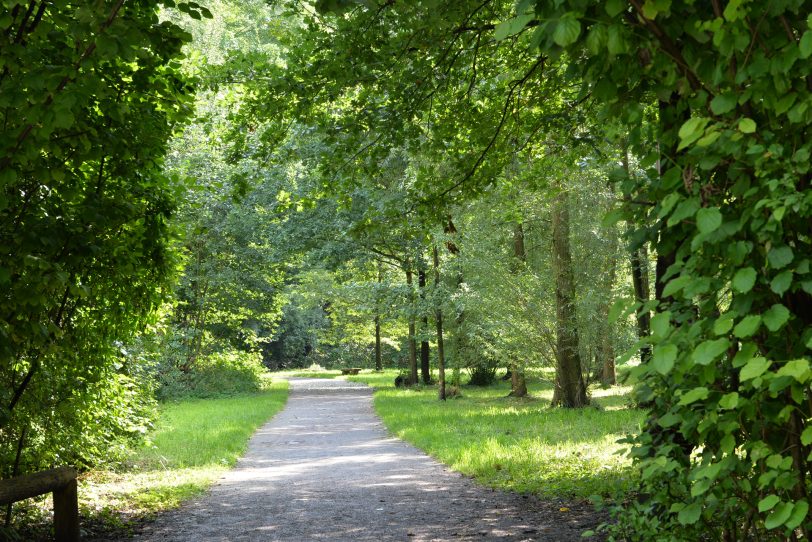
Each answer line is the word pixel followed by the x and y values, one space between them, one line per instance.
pixel 193 443
pixel 516 444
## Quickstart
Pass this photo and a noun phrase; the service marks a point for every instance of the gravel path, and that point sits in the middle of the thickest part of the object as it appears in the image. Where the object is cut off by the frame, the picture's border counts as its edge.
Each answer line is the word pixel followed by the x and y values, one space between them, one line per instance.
pixel 325 469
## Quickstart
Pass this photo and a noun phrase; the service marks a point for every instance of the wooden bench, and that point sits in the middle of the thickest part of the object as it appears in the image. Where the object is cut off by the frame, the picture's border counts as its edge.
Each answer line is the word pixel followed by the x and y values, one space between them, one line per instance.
pixel 62 483
pixel 351 371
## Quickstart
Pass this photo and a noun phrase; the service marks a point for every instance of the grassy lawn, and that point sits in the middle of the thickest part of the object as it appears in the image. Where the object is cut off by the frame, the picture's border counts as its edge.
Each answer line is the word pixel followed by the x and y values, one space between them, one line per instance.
pixel 517 444
pixel 193 443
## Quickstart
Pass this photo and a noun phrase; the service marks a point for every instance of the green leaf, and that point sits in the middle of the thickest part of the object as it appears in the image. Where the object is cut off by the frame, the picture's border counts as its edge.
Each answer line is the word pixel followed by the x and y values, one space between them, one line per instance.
pixel 754 368
pixel 729 400
pixel 694 395
pixel 806 436
pixel 805 45
pixel 620 308
pixel 511 26
pixel 797 369
pixel 798 515
pixel 728 443
pixel 690 514
pixel 708 219
pixel 723 103
pixel 768 502
pixel 723 324
pixel 685 209
pixel 708 139
pixel 676 284
pixel 744 279
pixel 747 125
pixel 663 358
pixel 708 351
pixel 747 326
pixel 779 515
pixel 691 130
pixel 596 38
pixel 781 282
pixel 567 30
pixel 615 40
pixel 775 317
pixel 615 7
pixel 780 257
pixel 661 324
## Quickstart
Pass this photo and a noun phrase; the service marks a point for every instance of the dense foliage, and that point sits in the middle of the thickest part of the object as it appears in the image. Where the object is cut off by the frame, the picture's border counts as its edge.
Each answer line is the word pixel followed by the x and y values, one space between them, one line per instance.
pixel 88 96
pixel 725 204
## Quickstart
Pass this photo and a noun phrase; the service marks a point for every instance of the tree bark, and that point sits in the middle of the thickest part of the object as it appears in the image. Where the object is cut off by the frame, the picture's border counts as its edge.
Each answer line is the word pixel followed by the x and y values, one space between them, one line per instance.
pixel 425 367
pixel 412 340
pixel 439 320
pixel 378 359
pixel 606 346
pixel 518 383
pixel 639 264
pixel 570 390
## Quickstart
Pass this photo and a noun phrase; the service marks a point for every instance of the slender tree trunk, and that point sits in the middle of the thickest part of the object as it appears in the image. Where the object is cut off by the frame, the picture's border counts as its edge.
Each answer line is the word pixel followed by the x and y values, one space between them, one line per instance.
pixel 378 359
pixel 518 383
pixel 459 338
pixel 570 390
pixel 639 265
pixel 606 346
pixel 439 319
pixel 425 367
pixel 412 339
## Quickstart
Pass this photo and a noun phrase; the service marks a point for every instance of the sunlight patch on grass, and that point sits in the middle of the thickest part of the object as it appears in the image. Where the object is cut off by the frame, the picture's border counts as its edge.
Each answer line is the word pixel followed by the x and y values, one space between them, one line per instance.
pixel 194 442
pixel 519 444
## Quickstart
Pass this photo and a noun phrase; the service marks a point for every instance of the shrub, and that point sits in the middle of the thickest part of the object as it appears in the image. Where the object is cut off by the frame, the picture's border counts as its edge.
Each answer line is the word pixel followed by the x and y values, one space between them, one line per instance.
pixel 221 373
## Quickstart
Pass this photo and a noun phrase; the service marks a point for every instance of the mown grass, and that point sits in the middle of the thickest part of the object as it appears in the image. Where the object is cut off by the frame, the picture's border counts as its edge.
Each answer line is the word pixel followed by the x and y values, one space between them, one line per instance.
pixel 193 443
pixel 517 444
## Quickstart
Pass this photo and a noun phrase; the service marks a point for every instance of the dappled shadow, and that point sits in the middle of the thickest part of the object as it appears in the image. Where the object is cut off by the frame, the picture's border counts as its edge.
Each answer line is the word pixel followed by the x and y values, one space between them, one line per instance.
pixel 325 469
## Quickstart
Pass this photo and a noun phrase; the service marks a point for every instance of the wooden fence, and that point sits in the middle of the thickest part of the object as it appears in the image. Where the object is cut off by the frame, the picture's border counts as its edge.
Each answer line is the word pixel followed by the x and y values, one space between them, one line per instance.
pixel 62 483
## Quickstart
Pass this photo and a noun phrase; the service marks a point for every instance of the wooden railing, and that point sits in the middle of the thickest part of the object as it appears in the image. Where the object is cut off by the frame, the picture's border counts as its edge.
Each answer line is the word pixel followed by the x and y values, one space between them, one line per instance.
pixel 62 483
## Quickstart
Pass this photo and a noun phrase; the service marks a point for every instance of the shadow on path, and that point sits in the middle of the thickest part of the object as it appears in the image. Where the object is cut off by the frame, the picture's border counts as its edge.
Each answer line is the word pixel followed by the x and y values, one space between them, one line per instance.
pixel 325 469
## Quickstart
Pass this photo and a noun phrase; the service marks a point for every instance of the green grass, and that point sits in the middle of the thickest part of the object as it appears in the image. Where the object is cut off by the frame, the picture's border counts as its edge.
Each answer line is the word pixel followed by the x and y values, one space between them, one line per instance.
pixel 193 443
pixel 516 444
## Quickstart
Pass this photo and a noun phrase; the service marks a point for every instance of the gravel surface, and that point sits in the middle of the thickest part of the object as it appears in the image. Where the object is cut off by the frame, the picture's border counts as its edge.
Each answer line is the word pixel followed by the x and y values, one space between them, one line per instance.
pixel 325 469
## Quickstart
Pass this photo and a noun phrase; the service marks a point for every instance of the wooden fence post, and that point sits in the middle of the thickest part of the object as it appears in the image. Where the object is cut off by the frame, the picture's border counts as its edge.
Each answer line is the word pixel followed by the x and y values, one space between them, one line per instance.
pixel 66 513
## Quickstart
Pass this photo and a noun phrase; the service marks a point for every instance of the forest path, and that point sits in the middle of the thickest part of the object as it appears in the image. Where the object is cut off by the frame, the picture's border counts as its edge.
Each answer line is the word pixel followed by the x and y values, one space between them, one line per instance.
pixel 325 469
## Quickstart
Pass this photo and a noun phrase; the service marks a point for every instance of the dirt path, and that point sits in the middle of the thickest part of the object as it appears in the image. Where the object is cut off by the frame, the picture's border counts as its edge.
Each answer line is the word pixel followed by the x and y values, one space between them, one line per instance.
pixel 325 469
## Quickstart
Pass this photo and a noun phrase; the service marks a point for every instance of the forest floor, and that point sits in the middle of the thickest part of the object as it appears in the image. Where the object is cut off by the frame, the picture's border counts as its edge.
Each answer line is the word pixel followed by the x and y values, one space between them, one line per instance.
pixel 325 468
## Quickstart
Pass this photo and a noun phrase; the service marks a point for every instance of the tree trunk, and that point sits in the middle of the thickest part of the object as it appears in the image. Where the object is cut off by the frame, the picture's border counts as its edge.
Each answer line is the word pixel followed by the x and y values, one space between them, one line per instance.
pixel 459 338
pixel 439 320
pixel 518 383
pixel 570 390
pixel 378 359
pixel 425 368
pixel 639 264
pixel 412 339
pixel 606 346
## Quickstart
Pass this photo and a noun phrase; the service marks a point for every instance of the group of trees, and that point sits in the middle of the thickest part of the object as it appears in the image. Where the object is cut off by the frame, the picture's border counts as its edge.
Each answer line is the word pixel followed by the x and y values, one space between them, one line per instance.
pixel 473 184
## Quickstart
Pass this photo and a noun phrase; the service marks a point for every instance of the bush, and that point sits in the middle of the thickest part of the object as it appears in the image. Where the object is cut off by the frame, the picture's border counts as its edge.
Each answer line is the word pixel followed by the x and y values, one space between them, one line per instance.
pixel 483 374
pixel 221 373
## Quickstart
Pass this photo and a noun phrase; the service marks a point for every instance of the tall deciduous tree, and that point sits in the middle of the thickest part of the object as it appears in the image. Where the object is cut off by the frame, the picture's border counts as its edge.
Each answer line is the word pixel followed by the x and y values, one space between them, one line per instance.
pixel 89 95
